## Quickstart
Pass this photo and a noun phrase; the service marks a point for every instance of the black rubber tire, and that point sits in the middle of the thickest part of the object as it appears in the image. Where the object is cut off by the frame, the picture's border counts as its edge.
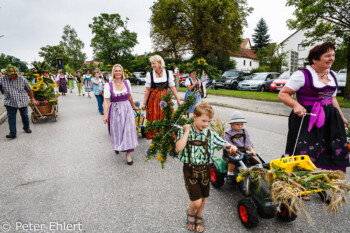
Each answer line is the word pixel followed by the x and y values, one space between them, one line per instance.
pixel 143 132
pixel 262 89
pixel 234 86
pixel 285 214
pixel 247 213
pixel 219 177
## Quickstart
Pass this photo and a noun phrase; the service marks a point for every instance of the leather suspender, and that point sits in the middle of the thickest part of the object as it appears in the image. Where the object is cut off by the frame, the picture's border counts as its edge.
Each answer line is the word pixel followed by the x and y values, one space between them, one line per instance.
pixel 198 143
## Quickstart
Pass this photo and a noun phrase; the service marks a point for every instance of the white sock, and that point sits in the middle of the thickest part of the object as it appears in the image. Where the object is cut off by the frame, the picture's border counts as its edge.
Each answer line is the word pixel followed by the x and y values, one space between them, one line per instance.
pixel 230 173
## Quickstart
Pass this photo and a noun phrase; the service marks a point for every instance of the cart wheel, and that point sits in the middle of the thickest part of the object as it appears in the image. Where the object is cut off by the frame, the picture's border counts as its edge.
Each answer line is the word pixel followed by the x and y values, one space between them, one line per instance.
pixel 285 214
pixel 247 213
pixel 55 115
pixel 33 118
pixel 143 132
pixel 216 178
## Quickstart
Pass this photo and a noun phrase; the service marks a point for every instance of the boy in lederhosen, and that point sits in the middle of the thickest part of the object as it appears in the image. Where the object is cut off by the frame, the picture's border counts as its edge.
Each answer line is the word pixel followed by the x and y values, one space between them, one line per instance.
pixel 239 137
pixel 195 144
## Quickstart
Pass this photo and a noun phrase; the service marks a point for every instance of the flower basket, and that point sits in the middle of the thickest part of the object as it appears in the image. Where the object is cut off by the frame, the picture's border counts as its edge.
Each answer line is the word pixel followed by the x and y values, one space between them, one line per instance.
pixel 44 109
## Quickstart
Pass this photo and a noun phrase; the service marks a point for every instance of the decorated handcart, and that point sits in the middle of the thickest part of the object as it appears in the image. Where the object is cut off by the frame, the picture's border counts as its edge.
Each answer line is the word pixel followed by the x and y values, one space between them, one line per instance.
pixel 43 112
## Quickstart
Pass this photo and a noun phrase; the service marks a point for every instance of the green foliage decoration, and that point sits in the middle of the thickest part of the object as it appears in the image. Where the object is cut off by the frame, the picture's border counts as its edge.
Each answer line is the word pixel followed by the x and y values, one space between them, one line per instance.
pixel 164 140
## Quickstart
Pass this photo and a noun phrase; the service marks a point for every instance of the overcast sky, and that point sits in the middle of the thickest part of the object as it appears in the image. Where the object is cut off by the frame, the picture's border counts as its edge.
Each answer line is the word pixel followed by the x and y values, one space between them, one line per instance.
pixel 28 25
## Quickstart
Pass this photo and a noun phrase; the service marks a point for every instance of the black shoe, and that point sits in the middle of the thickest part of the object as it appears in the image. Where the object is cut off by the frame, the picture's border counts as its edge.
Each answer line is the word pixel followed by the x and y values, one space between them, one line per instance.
pixel 11 136
pixel 325 197
pixel 230 179
pixel 28 130
pixel 117 152
pixel 130 163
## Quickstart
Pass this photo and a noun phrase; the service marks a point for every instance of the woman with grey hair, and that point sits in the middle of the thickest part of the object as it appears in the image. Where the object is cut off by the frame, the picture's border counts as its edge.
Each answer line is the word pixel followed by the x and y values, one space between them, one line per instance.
pixel 157 83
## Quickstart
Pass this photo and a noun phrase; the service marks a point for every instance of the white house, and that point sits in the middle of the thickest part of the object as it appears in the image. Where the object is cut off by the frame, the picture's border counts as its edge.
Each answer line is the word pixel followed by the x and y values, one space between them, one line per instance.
pixel 245 58
pixel 297 54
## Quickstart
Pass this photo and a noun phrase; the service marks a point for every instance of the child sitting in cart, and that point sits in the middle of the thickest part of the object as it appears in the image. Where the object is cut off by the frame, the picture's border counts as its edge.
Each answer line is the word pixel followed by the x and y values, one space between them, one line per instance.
pixel 195 144
pixel 140 119
pixel 239 137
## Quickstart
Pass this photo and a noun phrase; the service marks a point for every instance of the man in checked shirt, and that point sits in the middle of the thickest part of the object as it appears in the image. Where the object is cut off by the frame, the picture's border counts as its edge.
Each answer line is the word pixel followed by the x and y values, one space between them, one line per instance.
pixel 16 90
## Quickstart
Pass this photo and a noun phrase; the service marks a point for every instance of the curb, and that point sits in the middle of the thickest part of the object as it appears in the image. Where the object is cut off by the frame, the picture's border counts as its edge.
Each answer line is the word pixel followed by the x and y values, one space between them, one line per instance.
pixel 3 117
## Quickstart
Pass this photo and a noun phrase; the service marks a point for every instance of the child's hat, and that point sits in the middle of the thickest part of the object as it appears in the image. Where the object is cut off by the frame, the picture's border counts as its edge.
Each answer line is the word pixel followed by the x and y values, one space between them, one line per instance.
pixel 237 116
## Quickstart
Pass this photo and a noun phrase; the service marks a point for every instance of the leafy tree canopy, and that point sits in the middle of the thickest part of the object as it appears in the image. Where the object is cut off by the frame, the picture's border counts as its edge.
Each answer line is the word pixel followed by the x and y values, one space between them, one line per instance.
pixel 205 28
pixel 11 60
pixel 112 40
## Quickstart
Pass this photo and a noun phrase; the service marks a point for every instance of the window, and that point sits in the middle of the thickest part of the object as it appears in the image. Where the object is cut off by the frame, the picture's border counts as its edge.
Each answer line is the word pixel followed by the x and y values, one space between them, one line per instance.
pixel 244 62
pixel 301 47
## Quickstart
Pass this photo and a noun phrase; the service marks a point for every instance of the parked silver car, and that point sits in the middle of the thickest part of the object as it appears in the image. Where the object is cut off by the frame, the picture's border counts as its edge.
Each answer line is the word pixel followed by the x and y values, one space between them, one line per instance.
pixel 341 78
pixel 260 81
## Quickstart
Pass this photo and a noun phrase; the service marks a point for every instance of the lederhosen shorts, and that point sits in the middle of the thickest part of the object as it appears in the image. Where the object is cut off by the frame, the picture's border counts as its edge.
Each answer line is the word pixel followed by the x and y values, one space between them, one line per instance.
pixel 197 177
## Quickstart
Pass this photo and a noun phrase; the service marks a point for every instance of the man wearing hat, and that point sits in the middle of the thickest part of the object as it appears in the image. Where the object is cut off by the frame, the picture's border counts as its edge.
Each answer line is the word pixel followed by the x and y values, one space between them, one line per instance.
pixel 239 137
pixel 16 90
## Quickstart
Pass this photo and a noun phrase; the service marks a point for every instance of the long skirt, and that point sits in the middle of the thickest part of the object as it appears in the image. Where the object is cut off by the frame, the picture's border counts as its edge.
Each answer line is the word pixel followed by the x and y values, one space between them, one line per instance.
pixel 326 146
pixel 154 111
pixel 70 84
pixel 198 99
pixel 121 126
pixel 88 85
pixel 63 86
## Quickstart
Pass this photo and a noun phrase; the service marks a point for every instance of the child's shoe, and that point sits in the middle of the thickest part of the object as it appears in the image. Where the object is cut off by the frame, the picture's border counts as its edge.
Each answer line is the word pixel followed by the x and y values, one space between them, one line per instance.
pixel 230 179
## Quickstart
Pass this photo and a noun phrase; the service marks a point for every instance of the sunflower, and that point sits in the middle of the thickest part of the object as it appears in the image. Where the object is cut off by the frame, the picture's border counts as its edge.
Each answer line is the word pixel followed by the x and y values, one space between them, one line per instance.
pixel 39 79
pixel 160 158
pixel 37 75
pixel 42 84
pixel 35 88
pixel 54 85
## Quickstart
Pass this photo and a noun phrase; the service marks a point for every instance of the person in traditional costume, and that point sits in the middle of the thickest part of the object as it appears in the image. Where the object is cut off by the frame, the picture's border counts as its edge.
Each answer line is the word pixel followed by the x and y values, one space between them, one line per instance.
pixel 87 82
pixel 118 109
pixel 158 81
pixel 193 85
pixel 62 83
pixel 322 135
pixel 79 83
pixel 70 78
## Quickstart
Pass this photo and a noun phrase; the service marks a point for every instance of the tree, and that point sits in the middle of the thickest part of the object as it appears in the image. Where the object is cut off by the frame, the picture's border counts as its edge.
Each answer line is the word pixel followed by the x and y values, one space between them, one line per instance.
pixel 73 47
pixel 207 28
pixel 260 37
pixel 112 40
pixel 324 20
pixel 11 60
pixel 49 53
pixel 272 57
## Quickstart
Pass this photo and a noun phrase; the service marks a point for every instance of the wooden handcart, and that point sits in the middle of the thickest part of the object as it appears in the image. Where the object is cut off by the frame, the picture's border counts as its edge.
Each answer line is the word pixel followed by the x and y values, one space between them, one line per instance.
pixel 43 111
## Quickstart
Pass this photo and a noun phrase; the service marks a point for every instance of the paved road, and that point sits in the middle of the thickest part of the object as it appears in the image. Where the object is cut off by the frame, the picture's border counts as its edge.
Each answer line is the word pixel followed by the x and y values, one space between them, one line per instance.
pixel 66 171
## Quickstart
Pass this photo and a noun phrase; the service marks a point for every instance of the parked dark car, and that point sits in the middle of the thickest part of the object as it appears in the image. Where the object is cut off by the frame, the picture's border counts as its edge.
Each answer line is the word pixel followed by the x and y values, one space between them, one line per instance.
pixel 229 79
pixel 138 78
pixel 260 81
pixel 341 78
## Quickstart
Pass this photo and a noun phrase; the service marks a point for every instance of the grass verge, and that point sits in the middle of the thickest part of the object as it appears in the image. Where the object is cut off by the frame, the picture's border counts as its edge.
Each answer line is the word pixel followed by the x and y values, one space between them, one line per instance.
pixel 269 96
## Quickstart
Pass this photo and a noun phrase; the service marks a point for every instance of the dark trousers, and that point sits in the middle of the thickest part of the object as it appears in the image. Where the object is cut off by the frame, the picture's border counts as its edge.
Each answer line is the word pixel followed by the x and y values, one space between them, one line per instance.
pixel 11 114
pixel 99 103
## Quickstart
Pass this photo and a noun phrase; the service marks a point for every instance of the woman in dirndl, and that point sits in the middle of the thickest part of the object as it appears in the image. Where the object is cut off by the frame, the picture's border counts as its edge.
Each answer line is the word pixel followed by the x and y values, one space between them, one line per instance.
pixel 70 82
pixel 87 83
pixel 118 109
pixel 62 83
pixel 322 134
pixel 193 85
pixel 157 83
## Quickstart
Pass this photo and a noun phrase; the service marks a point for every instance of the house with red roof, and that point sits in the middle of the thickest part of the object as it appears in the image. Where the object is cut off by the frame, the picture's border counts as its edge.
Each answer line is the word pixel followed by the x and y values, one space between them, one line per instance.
pixel 245 58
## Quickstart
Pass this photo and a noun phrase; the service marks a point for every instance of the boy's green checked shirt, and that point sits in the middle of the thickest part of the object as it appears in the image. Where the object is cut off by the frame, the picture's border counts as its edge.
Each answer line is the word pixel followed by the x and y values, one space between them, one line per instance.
pixel 198 152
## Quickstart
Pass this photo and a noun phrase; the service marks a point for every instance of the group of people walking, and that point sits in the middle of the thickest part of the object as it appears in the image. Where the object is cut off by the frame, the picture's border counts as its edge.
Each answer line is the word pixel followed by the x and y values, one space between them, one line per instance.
pixel 322 135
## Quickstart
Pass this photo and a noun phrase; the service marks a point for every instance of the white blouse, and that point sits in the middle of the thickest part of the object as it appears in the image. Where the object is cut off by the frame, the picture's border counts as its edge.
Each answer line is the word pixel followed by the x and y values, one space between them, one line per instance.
pixel 107 90
pixel 161 79
pixel 297 80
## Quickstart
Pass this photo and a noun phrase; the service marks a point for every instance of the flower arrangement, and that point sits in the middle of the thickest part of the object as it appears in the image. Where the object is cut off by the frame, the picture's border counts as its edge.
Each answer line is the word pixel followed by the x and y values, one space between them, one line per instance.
pixel 127 74
pixel 43 88
pixel 164 141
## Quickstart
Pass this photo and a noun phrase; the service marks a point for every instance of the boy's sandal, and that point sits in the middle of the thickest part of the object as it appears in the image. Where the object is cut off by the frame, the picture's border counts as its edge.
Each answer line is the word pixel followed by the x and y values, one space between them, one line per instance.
pixel 191 223
pixel 199 224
